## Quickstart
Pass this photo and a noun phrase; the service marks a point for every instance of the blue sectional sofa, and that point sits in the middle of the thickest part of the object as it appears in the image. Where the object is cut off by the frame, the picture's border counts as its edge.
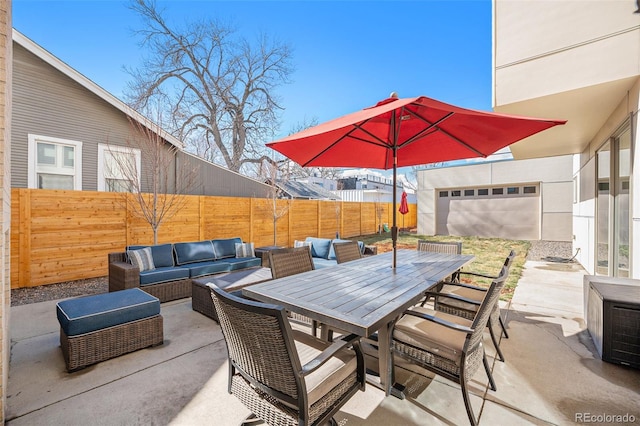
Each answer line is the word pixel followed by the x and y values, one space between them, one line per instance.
pixel 322 252
pixel 173 266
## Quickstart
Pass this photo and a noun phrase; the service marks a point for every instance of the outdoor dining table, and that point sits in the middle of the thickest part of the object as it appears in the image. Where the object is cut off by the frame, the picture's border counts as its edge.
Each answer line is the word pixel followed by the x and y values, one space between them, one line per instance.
pixel 363 296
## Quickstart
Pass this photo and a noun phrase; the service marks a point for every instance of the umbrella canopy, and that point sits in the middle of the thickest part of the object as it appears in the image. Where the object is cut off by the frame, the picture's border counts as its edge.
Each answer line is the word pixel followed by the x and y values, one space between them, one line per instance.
pixel 404 206
pixel 406 132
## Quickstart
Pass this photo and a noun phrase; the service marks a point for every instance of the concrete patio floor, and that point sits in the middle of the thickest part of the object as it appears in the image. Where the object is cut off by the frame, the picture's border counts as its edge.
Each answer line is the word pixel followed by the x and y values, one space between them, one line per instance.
pixel 552 373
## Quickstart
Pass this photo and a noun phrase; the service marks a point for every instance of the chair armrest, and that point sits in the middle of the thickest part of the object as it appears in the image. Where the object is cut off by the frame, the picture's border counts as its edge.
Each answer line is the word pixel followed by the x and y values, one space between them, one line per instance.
pixel 478 274
pixel 440 321
pixel 469 286
pixel 453 296
pixel 328 353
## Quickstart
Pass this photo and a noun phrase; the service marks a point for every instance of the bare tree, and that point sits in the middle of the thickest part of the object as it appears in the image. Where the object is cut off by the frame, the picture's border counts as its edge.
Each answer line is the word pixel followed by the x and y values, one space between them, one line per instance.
pixel 221 87
pixel 159 186
pixel 273 205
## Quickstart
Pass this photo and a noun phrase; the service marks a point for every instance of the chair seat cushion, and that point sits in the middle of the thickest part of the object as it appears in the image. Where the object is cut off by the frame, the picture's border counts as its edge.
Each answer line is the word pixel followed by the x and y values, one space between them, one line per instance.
pixel 329 375
pixel 467 293
pixel 430 336
pixel 91 313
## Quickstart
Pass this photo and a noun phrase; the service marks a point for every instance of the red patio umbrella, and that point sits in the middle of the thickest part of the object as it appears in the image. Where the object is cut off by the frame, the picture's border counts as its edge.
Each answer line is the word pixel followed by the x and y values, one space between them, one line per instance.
pixel 406 132
pixel 404 206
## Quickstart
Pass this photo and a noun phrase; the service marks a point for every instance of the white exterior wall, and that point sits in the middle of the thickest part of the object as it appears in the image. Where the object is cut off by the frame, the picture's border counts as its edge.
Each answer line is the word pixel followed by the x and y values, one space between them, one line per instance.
pixel 554 175
pixel 580 61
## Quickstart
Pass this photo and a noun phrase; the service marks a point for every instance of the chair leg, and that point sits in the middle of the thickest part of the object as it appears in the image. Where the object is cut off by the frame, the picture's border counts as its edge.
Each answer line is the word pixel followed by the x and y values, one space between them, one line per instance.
pixel 495 342
pixel 251 419
pixel 487 370
pixel 467 401
pixel 504 329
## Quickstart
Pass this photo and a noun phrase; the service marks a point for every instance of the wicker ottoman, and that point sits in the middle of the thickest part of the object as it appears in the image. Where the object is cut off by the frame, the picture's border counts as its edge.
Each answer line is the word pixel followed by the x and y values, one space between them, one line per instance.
pixel 104 326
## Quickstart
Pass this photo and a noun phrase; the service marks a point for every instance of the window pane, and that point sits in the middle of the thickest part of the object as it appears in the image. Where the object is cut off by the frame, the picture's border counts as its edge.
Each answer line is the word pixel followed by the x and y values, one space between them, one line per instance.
pixel 513 190
pixel 455 193
pixel 49 181
pixel 68 156
pixel 529 190
pixel 118 185
pixel 46 153
pixel 497 191
pixel 483 192
pixel 469 192
pixel 444 194
pixel 603 159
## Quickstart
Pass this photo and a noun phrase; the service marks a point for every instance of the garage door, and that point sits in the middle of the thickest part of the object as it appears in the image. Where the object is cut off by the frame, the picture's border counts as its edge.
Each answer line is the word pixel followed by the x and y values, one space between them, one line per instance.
pixel 502 212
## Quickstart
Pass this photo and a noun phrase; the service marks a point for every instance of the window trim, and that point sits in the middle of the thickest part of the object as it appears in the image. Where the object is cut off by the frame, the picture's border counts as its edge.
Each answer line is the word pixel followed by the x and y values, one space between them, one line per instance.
pixel 102 148
pixel 32 156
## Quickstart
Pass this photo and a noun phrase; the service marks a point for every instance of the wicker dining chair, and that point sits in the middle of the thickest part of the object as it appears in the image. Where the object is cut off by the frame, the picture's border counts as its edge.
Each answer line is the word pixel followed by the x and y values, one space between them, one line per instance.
pixel 290 261
pixel 463 299
pixel 448 345
pixel 448 247
pixel 284 376
pixel 347 251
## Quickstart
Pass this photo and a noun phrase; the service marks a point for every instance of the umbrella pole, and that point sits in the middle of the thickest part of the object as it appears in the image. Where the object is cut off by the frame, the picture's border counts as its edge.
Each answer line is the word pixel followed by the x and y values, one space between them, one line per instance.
pixel 394 228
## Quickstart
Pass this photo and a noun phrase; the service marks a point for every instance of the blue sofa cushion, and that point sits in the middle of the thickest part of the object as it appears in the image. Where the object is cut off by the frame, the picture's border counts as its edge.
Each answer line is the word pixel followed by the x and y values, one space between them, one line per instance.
pixel 320 247
pixel 243 262
pixel 162 254
pixel 160 275
pixel 91 313
pixel 207 268
pixel 332 252
pixel 319 262
pixel 225 248
pixel 200 251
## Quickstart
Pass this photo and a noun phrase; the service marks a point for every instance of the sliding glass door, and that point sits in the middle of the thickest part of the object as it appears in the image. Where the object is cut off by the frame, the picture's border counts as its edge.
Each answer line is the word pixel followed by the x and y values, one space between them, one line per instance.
pixel 612 217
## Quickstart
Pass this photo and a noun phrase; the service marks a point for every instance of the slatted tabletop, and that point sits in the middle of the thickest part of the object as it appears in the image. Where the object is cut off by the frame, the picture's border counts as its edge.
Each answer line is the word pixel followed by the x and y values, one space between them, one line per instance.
pixel 363 295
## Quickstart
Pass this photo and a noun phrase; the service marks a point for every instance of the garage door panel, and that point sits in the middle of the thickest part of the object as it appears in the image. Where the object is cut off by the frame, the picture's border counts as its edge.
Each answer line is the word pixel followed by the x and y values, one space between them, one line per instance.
pixel 515 217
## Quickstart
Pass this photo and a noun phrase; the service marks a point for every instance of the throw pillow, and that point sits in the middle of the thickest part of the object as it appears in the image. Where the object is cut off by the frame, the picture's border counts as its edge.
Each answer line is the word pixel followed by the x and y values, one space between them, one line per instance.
pixel 142 259
pixel 245 250
pixel 298 243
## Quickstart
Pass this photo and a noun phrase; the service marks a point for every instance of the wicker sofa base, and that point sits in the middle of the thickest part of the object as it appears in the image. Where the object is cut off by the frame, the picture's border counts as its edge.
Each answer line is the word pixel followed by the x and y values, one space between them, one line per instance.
pixel 90 348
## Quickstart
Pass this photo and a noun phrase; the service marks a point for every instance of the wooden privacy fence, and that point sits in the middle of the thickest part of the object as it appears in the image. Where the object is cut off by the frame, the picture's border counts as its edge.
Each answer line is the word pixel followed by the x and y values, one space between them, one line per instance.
pixel 59 236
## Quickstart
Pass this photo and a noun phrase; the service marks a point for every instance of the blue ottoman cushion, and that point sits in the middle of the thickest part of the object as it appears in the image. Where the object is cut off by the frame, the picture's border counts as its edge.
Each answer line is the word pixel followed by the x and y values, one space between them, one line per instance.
pixel 91 313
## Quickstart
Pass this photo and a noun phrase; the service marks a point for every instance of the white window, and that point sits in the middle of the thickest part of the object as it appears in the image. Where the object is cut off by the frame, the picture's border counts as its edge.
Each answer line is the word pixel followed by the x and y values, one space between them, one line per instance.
pixel 54 163
pixel 117 167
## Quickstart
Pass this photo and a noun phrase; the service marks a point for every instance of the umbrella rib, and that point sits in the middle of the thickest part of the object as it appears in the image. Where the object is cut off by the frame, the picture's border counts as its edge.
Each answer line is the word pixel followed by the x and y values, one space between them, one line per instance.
pixel 436 127
pixel 348 134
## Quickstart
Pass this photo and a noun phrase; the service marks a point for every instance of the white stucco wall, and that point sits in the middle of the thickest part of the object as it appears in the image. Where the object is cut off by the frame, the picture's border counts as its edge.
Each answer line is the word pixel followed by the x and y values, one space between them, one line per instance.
pixel 553 174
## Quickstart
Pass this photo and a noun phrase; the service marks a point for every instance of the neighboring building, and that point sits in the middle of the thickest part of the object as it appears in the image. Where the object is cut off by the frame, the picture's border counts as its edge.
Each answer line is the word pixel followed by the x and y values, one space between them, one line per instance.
pixel 305 191
pixel 580 61
pixel 369 182
pixel 528 199
pixel 66 131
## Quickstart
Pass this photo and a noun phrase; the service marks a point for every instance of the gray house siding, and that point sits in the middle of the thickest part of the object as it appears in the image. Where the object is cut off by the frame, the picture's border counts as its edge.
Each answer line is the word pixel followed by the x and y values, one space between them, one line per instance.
pixel 215 180
pixel 47 102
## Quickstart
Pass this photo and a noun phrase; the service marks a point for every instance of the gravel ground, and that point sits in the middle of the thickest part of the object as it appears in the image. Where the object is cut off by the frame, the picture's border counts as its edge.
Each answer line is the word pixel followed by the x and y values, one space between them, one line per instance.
pixel 553 251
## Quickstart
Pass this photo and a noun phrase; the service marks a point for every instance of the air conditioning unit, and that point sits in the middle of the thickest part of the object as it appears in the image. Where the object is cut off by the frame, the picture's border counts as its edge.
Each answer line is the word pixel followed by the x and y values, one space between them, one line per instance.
pixel 612 310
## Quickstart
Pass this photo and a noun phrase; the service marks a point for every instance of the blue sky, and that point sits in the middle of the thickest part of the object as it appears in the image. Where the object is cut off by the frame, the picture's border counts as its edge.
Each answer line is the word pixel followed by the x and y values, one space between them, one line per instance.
pixel 347 54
